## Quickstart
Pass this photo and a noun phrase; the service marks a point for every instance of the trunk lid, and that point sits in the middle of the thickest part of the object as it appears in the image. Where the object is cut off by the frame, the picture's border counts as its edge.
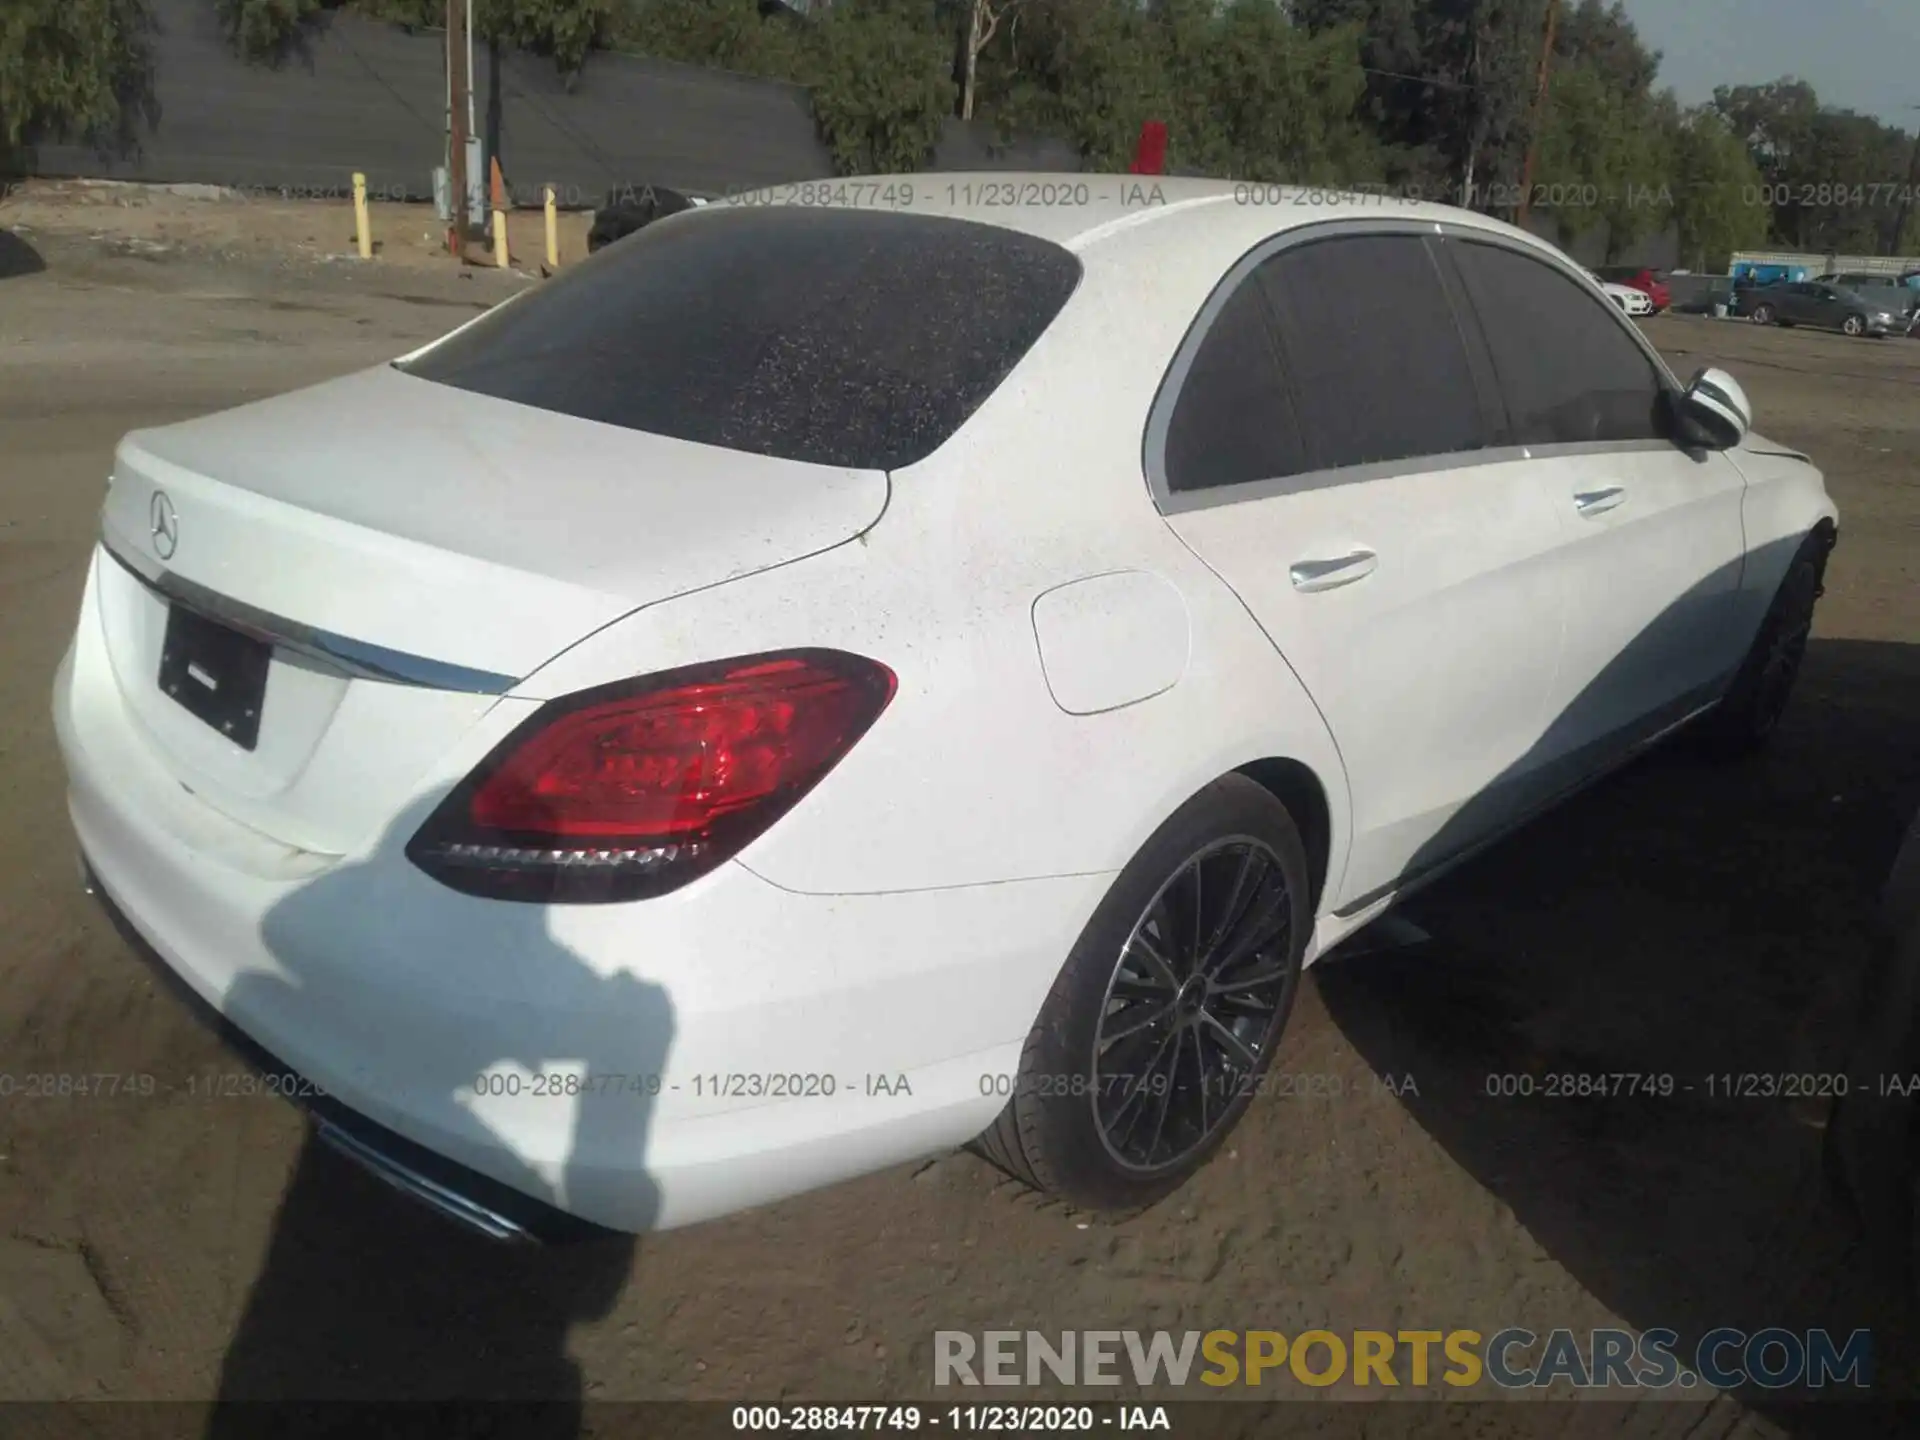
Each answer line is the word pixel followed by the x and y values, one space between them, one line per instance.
pixel 414 550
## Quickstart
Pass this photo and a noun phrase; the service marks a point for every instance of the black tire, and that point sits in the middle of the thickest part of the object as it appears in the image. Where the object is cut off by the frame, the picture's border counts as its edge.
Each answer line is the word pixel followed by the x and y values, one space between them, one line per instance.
pixel 1763 314
pixel 1073 1124
pixel 1755 701
pixel 1853 325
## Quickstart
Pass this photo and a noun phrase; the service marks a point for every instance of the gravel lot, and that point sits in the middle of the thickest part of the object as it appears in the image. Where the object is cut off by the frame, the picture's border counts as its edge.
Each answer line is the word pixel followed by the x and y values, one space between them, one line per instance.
pixel 1682 917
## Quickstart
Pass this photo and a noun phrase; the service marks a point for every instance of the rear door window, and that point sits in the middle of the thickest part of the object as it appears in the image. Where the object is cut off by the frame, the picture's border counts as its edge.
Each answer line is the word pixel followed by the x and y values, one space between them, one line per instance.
pixel 1376 358
pixel 1569 368
pixel 846 337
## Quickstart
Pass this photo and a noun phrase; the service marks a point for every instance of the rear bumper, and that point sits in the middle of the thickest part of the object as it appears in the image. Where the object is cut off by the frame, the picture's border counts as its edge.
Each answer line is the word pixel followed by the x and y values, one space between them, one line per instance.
pixel 637 1067
pixel 461 1194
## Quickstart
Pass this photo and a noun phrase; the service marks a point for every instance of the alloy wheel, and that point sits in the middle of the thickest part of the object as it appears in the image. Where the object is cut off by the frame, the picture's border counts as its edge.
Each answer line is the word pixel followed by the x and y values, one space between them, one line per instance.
pixel 1194 1004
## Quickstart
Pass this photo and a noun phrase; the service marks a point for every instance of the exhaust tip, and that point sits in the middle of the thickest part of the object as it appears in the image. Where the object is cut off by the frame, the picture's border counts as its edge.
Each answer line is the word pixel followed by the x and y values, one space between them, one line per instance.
pixel 455 1206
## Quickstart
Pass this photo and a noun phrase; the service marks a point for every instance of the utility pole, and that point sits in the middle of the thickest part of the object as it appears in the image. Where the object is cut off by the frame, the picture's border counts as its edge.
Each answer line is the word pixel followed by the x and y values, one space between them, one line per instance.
pixel 458 99
pixel 1539 116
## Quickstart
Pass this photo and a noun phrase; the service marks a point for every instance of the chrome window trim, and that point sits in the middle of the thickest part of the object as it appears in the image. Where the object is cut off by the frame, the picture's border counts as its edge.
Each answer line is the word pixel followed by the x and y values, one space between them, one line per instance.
pixel 1180 502
pixel 358 659
pixel 1160 415
pixel 1598 447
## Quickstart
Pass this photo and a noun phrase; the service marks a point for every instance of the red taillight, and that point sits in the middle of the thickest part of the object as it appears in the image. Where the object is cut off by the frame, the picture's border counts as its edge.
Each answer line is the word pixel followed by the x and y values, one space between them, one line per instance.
pixel 635 789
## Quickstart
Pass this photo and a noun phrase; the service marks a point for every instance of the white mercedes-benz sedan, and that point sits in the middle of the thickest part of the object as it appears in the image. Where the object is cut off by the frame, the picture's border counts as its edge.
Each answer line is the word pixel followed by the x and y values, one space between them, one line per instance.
pixel 819 684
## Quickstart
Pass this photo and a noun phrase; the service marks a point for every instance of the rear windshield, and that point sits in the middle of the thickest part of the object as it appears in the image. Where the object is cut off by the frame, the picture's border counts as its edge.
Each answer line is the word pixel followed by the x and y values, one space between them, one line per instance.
pixel 856 338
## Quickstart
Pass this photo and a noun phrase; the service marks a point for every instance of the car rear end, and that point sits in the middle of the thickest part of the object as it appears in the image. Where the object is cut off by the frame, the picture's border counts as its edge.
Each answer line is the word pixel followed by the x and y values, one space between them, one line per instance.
pixel 318 763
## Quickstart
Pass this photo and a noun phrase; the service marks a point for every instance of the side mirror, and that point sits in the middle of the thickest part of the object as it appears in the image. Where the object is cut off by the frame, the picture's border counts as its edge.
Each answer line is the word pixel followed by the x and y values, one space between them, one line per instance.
pixel 1715 411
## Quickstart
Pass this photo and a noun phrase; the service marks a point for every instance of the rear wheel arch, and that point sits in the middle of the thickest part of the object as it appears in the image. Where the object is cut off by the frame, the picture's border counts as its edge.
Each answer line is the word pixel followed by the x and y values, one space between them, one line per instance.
pixel 1299 789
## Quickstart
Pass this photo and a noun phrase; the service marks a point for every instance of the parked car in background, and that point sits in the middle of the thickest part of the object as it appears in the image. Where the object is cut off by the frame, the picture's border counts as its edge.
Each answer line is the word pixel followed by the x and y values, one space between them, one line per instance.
pixel 633 207
pixel 1881 291
pixel 1825 307
pixel 1630 300
pixel 1649 282
pixel 973 655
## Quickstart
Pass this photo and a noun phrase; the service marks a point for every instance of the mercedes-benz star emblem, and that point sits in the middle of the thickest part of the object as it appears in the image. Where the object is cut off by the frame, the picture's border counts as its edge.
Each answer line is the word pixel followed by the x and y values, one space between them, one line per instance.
pixel 164 524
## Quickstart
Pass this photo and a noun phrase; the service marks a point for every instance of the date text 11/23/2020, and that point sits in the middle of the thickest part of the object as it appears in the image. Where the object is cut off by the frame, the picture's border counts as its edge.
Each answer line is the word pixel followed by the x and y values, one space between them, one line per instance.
pixel 964 1419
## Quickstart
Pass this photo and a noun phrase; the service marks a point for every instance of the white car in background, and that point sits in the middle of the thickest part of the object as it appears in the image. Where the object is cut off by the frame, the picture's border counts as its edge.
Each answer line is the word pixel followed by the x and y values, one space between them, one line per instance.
pixel 811 686
pixel 1631 301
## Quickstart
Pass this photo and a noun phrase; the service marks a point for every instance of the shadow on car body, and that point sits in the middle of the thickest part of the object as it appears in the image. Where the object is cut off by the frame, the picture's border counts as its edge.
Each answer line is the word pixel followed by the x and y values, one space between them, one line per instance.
pixel 363 1297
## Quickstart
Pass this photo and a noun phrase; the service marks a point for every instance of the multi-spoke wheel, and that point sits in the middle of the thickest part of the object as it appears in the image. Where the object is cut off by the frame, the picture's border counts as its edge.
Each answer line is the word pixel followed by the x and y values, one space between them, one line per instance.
pixel 1758 696
pixel 1192 1004
pixel 1168 1010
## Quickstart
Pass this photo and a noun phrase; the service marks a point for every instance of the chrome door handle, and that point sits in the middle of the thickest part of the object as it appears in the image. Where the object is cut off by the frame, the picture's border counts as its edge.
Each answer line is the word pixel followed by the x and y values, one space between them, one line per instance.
pixel 1311 575
pixel 1598 502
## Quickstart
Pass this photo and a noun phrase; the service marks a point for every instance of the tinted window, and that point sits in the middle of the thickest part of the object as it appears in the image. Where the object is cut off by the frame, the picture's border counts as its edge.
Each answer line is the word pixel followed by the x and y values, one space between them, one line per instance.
pixel 859 338
pixel 1370 343
pixel 1569 370
pixel 1233 421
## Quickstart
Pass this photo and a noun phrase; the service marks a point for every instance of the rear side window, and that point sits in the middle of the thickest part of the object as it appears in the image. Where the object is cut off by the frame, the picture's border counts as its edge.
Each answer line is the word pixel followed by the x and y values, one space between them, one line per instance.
pixel 1569 370
pixel 856 338
pixel 1234 421
pixel 1373 350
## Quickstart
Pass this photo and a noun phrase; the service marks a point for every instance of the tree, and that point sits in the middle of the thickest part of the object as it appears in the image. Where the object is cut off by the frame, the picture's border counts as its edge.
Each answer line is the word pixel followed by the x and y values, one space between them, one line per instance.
pixel 983 22
pixel 1501 56
pixel 1091 71
pixel 1717 207
pixel 1775 121
pixel 73 68
pixel 885 87
pixel 734 35
pixel 1266 101
pixel 566 30
pixel 1832 177
pixel 1601 36
pixel 1448 87
pixel 265 30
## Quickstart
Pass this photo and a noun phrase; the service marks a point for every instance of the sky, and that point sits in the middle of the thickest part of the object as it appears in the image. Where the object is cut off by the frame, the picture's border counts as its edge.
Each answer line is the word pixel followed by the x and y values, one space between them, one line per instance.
pixel 1857 54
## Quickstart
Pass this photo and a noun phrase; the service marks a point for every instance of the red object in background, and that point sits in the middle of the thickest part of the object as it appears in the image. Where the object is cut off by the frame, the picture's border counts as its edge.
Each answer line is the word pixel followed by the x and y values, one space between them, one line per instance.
pixel 1150 158
pixel 1659 294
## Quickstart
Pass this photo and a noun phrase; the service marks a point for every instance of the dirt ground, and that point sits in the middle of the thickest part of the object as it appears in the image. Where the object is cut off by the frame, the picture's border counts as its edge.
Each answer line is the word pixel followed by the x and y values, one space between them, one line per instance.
pixel 1682 917
pixel 211 222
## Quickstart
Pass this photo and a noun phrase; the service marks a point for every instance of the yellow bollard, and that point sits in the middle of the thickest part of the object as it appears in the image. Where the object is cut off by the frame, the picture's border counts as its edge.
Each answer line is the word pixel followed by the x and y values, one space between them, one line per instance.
pixel 363 229
pixel 553 231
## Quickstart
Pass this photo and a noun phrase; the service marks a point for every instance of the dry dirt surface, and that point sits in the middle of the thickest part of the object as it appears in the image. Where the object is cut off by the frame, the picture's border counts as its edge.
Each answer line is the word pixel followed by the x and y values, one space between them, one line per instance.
pixel 263 226
pixel 1682 917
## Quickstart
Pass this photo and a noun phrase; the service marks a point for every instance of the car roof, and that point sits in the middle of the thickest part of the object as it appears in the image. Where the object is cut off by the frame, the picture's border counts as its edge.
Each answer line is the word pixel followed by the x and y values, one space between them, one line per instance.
pixel 1081 211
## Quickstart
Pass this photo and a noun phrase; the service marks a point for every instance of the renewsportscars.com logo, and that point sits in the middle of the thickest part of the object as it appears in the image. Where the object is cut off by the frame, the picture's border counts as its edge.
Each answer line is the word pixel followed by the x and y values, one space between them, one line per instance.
pixel 1511 1359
